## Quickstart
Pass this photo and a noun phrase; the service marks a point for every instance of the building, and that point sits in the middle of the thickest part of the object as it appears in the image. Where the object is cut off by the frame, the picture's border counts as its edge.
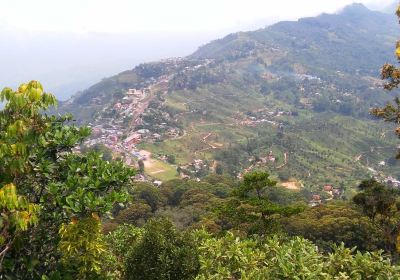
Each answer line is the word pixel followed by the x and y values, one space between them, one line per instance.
pixel 132 139
pixel 118 106
pixel 113 138
pixel 135 92
pixel 316 197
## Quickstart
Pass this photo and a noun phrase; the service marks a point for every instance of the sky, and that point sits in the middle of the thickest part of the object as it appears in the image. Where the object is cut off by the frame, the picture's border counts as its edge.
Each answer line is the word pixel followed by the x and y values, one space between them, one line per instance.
pixel 179 16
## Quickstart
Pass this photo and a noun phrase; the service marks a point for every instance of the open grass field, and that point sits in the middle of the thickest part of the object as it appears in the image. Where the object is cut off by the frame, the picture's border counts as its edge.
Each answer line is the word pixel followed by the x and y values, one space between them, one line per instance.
pixel 160 170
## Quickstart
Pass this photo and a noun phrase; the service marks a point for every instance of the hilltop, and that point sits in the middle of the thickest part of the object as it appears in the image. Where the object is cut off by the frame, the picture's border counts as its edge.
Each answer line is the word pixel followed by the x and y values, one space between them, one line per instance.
pixel 292 98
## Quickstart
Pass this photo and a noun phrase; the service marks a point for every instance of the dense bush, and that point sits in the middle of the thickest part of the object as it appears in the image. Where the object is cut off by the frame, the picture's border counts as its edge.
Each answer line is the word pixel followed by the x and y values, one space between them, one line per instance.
pixel 230 257
pixel 335 223
pixel 162 253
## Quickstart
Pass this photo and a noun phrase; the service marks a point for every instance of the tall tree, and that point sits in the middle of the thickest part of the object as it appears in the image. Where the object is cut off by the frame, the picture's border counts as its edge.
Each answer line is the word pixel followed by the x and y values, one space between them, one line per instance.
pixel 36 156
pixel 250 210
pixel 382 205
pixel 391 73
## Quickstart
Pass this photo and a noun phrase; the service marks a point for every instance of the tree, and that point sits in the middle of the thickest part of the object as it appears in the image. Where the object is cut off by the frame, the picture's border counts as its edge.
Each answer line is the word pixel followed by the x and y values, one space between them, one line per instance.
pixel 83 247
pixel 381 204
pixel 171 159
pixel 335 223
pixel 250 209
pixel 391 73
pixel 141 165
pixel 162 253
pixel 101 149
pixel 231 257
pixel 137 214
pixel 36 155
pixel 17 214
pixel 119 242
pixel 219 169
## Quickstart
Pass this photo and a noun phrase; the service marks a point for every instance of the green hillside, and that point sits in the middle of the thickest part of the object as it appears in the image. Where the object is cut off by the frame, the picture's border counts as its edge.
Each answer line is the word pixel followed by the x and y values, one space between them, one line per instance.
pixel 293 98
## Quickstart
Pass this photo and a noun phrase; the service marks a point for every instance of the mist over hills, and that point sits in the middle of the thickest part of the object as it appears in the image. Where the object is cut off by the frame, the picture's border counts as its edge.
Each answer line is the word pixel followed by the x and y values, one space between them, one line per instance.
pixel 69 62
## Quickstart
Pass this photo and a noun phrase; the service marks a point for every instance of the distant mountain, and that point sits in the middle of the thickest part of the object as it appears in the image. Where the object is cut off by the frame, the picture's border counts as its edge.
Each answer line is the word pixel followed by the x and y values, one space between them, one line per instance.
pixel 68 62
pixel 335 42
pixel 292 98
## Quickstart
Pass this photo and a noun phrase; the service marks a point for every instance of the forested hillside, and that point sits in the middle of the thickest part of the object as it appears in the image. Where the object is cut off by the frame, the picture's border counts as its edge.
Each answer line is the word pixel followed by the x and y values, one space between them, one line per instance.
pixel 293 98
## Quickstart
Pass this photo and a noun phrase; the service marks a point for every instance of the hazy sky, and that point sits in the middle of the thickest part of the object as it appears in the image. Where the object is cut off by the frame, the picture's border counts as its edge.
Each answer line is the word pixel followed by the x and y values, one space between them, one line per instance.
pixel 158 15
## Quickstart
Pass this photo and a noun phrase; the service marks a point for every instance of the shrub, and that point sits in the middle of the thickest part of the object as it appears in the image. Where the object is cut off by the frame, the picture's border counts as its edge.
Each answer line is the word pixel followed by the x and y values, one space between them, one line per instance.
pixel 162 253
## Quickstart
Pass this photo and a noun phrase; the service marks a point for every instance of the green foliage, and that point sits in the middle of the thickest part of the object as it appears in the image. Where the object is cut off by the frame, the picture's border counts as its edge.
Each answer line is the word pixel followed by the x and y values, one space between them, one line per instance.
pixel 136 214
pixel 20 126
pixel 257 182
pixel 141 165
pixel 105 152
pixel 89 184
pixel 119 244
pixel 381 204
pixel 162 253
pixel 250 210
pixel 82 247
pixel 391 74
pixel 121 237
pixel 335 223
pixel 230 257
pixel 36 154
pixel 17 214
pixel 171 159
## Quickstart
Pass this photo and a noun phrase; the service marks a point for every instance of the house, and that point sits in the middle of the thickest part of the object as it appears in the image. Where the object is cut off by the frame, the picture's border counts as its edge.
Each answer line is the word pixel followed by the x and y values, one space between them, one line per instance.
pixel 392 182
pixel 271 157
pixel 156 136
pixel 316 197
pixel 184 176
pixel 143 131
pixel 132 139
pixel 328 188
pixel 113 138
pixel 163 83
pixel 126 100
pixel 97 131
pixel 314 203
pixel 118 106
pixel 157 183
pixel 135 92
pixel 337 193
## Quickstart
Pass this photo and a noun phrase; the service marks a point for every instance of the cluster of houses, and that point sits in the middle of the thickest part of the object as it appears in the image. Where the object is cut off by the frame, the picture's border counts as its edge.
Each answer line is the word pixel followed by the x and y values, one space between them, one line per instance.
pixel 259 162
pixel 332 192
pixel 194 169
pixel 264 116
pixel 127 122
pixel 122 138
